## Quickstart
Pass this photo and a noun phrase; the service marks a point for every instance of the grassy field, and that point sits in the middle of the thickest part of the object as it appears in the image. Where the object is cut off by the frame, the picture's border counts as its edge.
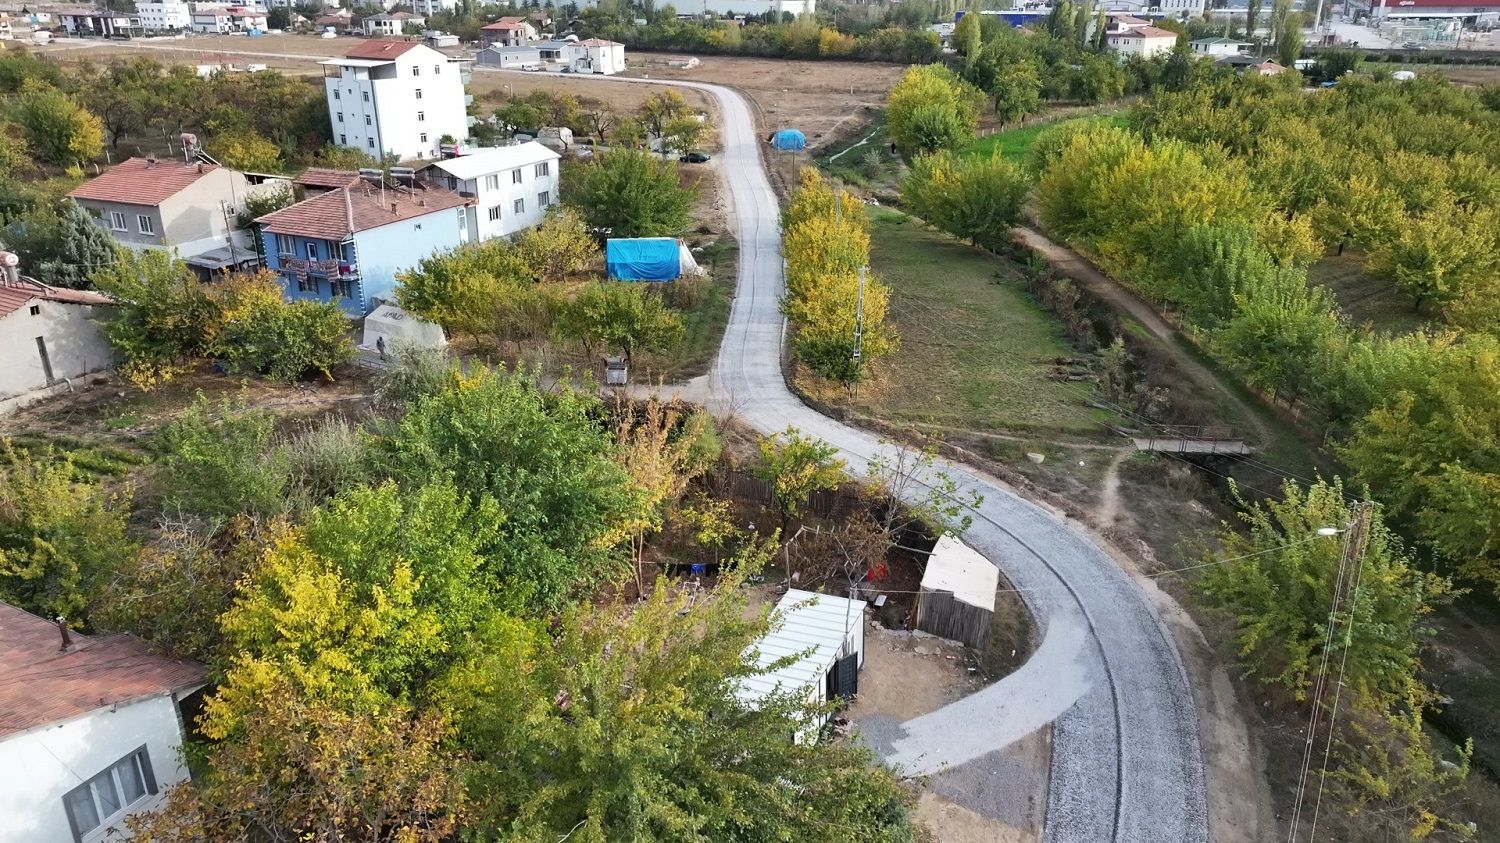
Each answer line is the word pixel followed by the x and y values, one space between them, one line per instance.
pixel 1016 144
pixel 976 352
pixel 704 321
pixel 1364 299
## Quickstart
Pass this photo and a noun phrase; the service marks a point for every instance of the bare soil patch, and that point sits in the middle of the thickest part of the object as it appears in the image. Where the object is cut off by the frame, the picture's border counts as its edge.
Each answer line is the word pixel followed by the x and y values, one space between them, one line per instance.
pixel 908 674
pixel 952 823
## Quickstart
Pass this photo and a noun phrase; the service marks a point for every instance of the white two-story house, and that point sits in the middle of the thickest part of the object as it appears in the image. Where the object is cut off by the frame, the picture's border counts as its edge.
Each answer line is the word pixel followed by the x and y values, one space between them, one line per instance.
pixel 512 186
pixel 395 97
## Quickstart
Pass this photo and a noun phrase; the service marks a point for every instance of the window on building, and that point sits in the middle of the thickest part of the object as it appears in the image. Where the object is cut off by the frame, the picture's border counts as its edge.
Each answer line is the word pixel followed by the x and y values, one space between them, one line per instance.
pixel 492 182
pixel 370 142
pixel 494 213
pixel 335 93
pixel 341 116
pixel 36 310
pixel 515 176
pixel 416 70
pixel 544 169
pixel 343 140
pixel 365 95
pixel 117 220
pixel 145 224
pixel 307 284
pixel 544 199
pixel 341 288
pixel 421 117
pixel 423 137
pixel 367 119
pixel 104 798
pixel 436 69
pixel 284 245
pixel 311 249
pixel 419 93
pixel 520 206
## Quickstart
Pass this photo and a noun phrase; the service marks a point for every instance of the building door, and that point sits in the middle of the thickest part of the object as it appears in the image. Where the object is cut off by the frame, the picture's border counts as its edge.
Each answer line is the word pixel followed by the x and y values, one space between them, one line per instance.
pixel 843 679
pixel 41 348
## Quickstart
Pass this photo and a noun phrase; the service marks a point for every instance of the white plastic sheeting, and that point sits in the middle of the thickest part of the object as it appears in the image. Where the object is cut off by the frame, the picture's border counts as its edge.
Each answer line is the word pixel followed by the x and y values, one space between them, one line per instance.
pixel 397 327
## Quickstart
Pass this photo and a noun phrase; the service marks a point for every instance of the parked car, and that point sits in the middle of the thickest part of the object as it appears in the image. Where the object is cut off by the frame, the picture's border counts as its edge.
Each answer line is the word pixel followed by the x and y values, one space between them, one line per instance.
pixel 695 158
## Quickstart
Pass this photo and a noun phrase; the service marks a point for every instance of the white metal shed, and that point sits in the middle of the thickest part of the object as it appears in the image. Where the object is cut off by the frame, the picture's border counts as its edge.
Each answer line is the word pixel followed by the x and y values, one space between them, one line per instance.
pixel 829 634
pixel 958 593
pixel 397 327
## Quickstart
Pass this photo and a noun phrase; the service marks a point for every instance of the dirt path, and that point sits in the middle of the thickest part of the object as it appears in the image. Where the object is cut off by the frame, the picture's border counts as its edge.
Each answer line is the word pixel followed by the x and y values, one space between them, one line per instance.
pixel 1108 511
pixel 1076 267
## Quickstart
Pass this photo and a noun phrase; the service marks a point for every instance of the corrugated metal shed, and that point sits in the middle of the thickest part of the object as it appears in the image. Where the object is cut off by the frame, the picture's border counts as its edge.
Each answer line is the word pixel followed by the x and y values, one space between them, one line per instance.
pixel 825 626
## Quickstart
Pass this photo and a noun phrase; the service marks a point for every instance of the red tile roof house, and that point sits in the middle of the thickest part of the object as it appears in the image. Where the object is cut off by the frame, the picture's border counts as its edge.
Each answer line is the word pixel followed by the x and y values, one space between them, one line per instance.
pixel 346 245
pixel 145 203
pixel 507 32
pixel 49 337
pixel 90 729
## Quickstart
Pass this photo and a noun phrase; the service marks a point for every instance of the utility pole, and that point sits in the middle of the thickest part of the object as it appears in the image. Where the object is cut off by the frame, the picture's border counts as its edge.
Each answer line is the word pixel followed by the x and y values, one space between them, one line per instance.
pixel 859 325
pixel 1345 593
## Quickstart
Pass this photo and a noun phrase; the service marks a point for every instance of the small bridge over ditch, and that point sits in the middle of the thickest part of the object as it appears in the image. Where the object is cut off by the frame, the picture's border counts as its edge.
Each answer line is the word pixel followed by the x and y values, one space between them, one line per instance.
pixel 1192 440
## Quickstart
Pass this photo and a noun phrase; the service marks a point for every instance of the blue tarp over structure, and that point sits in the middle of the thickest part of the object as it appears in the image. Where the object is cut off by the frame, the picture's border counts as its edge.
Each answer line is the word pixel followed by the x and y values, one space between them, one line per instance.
pixel 789 140
pixel 643 259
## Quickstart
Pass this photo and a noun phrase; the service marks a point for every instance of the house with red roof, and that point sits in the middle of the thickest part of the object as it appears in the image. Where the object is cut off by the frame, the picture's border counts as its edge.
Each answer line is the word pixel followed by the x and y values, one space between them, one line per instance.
pixel 346 245
pixel 1143 41
pixel 395 97
pixel 507 32
pixel 91 729
pixel 49 338
pixel 149 203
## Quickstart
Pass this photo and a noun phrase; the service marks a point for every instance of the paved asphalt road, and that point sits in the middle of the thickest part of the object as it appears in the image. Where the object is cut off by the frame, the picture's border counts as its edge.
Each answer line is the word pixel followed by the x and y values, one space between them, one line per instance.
pixel 1126 764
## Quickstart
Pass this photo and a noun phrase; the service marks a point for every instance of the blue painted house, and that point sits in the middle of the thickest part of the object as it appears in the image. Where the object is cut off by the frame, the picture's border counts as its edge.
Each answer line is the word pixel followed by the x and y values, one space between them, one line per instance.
pixel 346 245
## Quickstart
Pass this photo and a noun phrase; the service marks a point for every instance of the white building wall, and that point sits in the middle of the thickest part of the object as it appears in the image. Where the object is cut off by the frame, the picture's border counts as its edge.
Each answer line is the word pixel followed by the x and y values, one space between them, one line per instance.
pixel 75 347
pixel 165 15
pixel 41 765
pixel 742 7
pixel 1179 8
pixel 428 8
pixel 400 119
pixel 505 196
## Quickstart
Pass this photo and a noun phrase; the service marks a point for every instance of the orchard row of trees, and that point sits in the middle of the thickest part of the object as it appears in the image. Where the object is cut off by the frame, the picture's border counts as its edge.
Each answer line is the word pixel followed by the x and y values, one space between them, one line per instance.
pixel 664 115
pixel 1227 245
pixel 406 620
pixel 830 300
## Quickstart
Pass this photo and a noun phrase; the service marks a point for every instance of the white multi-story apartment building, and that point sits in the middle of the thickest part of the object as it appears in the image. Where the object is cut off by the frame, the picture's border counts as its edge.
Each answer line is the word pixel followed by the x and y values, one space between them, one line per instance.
pixel 395 97
pixel 428 8
pixel 165 15
pixel 512 186
pixel 228 18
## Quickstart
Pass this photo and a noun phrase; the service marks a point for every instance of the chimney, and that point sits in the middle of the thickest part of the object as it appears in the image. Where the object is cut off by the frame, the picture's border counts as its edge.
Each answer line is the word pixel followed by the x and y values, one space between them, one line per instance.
pixel 200 168
pixel 67 640
pixel 394 209
pixel 151 162
pixel 10 269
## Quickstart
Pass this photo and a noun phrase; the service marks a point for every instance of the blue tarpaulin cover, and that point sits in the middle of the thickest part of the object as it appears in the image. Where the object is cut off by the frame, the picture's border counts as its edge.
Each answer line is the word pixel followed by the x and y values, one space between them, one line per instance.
pixel 789 140
pixel 643 259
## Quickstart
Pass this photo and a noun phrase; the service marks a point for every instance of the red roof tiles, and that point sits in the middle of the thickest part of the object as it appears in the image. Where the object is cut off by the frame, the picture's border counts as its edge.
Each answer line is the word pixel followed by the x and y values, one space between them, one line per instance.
pixel 326 178
pixel 381 48
pixel 40 683
pixel 139 181
pixel 339 213
pixel 14 296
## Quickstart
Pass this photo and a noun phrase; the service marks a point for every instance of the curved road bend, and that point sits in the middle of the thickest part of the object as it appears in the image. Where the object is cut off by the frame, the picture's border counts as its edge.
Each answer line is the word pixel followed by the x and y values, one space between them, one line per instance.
pixel 1126 764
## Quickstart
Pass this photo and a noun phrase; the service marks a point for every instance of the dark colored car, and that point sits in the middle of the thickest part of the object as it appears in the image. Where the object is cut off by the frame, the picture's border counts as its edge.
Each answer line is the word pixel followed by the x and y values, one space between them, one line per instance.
pixel 694 158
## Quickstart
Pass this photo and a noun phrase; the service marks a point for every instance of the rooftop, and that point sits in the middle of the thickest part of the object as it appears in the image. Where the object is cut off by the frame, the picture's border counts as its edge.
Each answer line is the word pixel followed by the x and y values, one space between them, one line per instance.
pixel 41 683
pixel 140 181
pixel 338 213
pixel 1148 32
pixel 327 178
pixel 14 296
pixel 494 160
pixel 381 48
pixel 812 625
pixel 959 569
pixel 599 42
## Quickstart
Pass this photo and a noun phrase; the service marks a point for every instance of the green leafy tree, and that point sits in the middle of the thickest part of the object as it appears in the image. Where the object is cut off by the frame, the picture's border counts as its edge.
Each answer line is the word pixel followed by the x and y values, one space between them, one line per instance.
pixel 60 536
pixel 79 248
pixel 163 317
pixel 625 724
pixel 627 193
pixel 930 109
pixel 796 466
pixel 621 316
pixel 1289 38
pixel 57 128
pixel 1281 335
pixel 1017 91
pixel 967 40
pixel 244 150
pixel 218 461
pixel 545 462
pixel 261 333
pixel 463 289
pixel 662 109
pixel 975 199
pixel 1441 257
pixel 560 246
pixel 1279 598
